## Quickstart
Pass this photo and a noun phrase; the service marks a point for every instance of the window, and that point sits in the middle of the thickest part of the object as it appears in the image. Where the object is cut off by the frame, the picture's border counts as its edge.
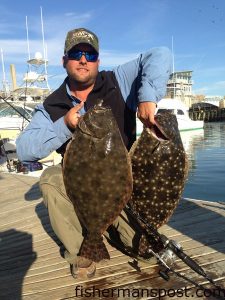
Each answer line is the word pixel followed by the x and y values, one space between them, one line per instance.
pixel 180 112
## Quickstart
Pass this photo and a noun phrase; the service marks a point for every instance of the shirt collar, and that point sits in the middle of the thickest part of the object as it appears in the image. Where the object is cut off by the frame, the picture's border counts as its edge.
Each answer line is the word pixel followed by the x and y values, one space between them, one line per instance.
pixel 69 93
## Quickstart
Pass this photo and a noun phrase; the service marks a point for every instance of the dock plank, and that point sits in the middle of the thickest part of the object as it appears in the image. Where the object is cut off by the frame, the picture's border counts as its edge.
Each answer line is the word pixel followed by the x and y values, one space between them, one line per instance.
pixel 31 266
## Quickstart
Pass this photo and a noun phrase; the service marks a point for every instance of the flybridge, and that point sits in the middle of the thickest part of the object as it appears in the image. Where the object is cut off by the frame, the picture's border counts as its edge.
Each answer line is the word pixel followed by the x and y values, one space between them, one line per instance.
pixel 35 84
pixel 36 78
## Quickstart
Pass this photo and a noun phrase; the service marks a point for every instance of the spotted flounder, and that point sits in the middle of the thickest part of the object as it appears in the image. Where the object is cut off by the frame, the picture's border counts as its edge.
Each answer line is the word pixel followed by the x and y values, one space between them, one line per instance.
pixel 97 176
pixel 160 169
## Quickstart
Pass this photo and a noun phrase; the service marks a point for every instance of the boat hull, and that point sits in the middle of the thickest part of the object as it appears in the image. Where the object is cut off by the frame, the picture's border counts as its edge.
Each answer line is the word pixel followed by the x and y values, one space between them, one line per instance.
pixel 10 133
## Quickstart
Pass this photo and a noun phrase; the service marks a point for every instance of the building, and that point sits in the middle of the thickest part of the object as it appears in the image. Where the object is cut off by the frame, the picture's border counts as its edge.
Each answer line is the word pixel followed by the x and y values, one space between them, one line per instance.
pixel 222 103
pixel 180 86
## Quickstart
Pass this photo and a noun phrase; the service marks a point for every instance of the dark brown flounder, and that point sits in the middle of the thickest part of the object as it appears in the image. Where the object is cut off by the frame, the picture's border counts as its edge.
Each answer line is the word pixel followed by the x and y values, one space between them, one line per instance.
pixel 98 177
pixel 160 168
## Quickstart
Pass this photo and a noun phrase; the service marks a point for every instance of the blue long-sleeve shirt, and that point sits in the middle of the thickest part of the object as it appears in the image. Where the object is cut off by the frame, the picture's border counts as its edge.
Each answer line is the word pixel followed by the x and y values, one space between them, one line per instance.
pixel 42 135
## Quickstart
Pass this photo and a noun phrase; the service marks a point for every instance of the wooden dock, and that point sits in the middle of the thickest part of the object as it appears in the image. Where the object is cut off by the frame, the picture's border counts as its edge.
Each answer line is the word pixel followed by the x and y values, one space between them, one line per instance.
pixel 31 266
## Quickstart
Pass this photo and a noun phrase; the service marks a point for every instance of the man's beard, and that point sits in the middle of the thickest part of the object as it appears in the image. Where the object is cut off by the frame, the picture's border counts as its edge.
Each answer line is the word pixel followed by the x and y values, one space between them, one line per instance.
pixel 80 81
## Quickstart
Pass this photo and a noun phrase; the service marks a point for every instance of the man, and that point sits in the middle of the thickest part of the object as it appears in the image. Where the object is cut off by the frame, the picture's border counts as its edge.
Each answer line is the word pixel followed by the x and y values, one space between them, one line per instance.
pixel 134 86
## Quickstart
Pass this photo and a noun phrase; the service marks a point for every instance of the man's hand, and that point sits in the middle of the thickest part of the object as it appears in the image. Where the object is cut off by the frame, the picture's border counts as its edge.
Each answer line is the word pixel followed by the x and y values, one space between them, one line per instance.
pixel 146 111
pixel 72 117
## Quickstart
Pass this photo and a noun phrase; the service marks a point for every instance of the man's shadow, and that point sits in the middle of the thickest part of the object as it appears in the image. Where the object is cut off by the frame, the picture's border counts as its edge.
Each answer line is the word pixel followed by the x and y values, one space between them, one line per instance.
pixel 33 194
pixel 16 258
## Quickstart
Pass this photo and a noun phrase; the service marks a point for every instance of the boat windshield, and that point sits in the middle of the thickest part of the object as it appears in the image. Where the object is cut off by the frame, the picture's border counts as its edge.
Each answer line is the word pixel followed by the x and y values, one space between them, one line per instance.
pixel 8 111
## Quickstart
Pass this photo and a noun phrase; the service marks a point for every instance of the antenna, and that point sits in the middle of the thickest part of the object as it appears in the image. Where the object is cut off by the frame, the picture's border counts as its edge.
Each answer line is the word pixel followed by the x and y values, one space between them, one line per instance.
pixel 172 54
pixel 44 48
pixel 174 88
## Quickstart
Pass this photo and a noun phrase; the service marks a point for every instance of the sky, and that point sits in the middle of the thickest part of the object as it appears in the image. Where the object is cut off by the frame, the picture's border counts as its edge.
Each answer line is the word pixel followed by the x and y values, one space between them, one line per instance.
pixel 125 29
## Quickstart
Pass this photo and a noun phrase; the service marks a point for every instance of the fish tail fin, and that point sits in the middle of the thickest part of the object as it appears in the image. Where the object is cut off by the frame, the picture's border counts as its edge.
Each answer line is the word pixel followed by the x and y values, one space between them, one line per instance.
pixel 94 248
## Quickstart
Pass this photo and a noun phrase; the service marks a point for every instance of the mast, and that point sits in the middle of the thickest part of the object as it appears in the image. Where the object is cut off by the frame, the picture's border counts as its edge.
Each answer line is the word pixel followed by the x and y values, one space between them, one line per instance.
pixel 4 83
pixel 3 66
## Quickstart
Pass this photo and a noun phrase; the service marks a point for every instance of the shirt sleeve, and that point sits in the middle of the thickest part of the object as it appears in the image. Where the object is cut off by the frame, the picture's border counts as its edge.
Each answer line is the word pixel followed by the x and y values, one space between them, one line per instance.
pixel 145 78
pixel 41 137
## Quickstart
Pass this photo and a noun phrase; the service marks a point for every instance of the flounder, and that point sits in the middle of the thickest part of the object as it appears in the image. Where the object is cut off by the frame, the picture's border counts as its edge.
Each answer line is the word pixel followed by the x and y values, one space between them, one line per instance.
pixel 97 176
pixel 160 169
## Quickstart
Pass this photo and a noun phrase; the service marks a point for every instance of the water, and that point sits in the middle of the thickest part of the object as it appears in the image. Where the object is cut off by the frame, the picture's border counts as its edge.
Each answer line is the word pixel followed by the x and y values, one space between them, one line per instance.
pixel 206 155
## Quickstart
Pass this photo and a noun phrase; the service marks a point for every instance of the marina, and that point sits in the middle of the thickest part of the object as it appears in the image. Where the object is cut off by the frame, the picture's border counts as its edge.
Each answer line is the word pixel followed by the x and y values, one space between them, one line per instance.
pixel 31 266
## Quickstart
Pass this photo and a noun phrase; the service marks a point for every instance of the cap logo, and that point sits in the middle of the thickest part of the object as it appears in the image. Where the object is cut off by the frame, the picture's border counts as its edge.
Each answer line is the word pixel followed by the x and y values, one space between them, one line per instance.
pixel 83 34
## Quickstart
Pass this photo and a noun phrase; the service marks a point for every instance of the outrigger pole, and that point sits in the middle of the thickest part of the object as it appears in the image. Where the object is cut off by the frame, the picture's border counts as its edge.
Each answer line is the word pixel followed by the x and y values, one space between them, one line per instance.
pixel 28 44
pixel 44 49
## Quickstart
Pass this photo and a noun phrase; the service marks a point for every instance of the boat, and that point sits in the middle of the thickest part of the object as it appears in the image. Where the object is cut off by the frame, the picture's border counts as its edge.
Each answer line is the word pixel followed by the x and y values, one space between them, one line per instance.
pixel 14 118
pixel 17 106
pixel 177 107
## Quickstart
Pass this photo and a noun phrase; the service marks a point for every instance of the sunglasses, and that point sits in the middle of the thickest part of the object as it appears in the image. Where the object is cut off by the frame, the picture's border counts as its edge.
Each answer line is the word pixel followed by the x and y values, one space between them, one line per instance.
pixel 77 54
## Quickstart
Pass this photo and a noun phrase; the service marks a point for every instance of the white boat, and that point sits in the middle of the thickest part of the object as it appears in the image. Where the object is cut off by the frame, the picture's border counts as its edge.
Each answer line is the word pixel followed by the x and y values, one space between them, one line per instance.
pixel 180 110
pixel 12 121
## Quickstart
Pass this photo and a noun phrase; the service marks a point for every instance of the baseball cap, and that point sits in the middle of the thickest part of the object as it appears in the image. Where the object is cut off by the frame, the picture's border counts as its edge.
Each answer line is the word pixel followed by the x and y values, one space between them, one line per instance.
pixel 78 36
